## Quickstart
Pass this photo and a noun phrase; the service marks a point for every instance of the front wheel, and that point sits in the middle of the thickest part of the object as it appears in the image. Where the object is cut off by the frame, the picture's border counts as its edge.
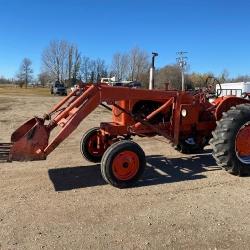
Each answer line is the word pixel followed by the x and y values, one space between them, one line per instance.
pixel 89 146
pixel 230 142
pixel 123 164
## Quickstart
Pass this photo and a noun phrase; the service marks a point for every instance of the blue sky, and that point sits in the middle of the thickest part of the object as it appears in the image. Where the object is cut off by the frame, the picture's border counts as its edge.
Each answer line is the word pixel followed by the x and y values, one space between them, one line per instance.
pixel 214 32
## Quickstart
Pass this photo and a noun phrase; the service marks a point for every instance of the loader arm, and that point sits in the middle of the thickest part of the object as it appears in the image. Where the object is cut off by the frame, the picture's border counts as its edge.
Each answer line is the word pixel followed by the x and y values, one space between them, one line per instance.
pixel 72 116
pixel 31 140
pixel 89 100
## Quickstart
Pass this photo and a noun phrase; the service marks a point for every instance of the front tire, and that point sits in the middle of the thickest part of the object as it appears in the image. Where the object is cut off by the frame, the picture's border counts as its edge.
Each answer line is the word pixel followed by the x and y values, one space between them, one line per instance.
pixel 88 146
pixel 123 164
pixel 230 140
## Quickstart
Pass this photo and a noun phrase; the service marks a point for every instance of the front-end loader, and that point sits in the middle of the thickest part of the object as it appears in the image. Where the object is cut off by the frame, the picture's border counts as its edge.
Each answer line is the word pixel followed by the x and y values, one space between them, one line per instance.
pixel 186 118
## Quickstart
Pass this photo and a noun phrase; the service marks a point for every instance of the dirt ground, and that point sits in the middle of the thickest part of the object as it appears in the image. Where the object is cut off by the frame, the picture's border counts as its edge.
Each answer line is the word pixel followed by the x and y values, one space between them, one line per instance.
pixel 182 202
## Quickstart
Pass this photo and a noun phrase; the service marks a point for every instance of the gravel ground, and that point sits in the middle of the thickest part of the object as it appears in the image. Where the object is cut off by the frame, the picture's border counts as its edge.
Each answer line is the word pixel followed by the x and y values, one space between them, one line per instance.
pixel 182 202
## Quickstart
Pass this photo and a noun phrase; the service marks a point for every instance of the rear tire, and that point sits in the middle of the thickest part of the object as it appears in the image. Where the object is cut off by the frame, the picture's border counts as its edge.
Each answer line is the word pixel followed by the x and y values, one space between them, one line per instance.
pixel 224 140
pixel 88 146
pixel 123 164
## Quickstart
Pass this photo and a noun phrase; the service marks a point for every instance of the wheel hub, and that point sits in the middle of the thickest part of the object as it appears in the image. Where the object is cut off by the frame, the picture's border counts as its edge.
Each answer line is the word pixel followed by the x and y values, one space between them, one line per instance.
pixel 242 144
pixel 125 165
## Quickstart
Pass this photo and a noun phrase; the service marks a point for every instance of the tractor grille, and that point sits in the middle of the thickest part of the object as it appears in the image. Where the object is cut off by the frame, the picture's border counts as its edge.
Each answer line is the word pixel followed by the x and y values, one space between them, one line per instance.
pixel 5 151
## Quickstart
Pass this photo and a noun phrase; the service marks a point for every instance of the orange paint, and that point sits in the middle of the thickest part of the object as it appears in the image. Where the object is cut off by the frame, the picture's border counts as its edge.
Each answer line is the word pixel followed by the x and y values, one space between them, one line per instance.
pixel 125 165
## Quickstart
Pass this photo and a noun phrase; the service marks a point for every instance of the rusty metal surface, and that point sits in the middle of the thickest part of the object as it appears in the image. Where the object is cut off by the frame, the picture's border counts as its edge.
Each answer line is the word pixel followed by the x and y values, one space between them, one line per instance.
pixel 29 141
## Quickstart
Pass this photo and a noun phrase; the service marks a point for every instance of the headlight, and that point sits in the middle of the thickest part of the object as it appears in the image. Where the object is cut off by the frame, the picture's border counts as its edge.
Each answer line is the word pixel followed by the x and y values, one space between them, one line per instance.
pixel 183 112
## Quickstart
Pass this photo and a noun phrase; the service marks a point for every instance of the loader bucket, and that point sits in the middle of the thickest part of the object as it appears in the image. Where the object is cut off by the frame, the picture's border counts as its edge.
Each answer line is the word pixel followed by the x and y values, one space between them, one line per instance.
pixel 29 141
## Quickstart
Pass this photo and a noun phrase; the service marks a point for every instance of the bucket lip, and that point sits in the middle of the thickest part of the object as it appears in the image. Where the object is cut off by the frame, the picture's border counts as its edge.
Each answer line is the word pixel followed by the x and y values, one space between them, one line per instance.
pixel 29 141
pixel 34 121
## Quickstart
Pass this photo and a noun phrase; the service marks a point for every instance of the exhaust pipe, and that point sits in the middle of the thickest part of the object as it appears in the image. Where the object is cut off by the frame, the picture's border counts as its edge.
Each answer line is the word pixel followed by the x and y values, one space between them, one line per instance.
pixel 152 71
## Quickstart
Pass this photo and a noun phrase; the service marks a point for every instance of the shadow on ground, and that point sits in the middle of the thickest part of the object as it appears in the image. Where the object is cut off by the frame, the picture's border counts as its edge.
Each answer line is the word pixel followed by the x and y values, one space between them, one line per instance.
pixel 160 170
pixel 76 177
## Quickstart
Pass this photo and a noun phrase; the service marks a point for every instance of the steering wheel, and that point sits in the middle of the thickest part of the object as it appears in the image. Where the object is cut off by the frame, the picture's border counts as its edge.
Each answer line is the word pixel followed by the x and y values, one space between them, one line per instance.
pixel 210 84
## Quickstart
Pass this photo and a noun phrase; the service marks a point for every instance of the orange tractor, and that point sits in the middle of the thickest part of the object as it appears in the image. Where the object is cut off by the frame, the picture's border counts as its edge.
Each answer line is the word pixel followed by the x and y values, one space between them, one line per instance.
pixel 186 118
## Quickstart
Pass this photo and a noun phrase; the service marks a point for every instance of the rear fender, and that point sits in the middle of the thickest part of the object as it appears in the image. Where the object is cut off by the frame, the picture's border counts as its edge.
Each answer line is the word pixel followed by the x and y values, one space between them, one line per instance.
pixel 225 103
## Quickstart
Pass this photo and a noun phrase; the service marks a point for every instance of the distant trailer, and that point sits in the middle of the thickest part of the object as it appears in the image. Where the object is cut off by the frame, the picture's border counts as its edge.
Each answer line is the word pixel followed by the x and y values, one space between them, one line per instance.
pixel 233 88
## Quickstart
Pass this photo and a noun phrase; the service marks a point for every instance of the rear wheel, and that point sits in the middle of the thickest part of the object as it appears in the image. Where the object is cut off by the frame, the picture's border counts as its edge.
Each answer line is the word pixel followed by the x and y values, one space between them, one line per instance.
pixel 230 142
pixel 123 164
pixel 90 148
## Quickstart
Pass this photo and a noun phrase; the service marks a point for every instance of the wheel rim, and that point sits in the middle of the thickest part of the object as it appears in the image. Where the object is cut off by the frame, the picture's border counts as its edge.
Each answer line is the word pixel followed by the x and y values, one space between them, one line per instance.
pixel 242 144
pixel 125 165
pixel 93 146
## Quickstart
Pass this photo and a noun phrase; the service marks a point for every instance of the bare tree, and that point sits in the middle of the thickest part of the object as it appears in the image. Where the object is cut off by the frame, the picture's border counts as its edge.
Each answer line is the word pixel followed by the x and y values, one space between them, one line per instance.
pixel 85 68
pixel 54 59
pixel 4 80
pixel 70 61
pixel 25 72
pixel 168 74
pixel 93 70
pixel 76 64
pixel 120 66
pixel 197 80
pixel 100 69
pixel 241 78
pixel 138 63
pixel 44 78
pixel 224 76
pixel 73 64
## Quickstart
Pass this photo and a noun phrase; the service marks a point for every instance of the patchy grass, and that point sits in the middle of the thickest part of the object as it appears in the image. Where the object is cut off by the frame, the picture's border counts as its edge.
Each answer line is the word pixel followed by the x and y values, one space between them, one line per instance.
pixel 17 91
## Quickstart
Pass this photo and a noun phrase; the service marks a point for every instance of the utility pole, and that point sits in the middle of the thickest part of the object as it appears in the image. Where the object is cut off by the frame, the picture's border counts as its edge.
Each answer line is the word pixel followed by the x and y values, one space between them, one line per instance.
pixel 182 62
pixel 152 71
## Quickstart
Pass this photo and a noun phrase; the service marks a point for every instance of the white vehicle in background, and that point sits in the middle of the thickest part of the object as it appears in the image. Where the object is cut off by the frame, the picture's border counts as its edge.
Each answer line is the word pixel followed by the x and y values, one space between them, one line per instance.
pixel 113 82
pixel 109 80
pixel 239 89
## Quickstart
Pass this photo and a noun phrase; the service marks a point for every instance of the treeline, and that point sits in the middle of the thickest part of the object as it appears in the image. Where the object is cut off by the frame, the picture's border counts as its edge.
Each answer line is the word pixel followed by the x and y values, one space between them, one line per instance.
pixel 4 80
pixel 64 62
